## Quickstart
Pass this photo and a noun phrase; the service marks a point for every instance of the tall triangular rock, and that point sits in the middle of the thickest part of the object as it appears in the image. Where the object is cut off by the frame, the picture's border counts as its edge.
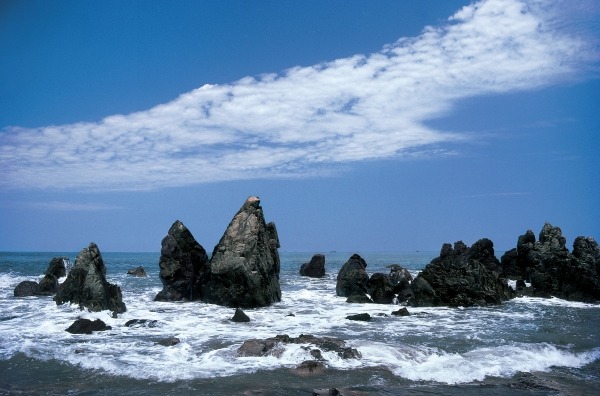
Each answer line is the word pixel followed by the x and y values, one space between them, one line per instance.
pixel 244 267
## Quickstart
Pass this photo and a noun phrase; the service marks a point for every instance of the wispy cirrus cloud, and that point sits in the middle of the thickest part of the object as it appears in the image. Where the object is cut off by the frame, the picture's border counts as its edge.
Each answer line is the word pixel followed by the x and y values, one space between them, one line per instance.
pixel 308 120
pixel 63 206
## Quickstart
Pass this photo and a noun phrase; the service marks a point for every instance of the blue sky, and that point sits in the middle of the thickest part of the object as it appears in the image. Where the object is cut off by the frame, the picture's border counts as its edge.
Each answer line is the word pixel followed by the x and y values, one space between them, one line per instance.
pixel 362 126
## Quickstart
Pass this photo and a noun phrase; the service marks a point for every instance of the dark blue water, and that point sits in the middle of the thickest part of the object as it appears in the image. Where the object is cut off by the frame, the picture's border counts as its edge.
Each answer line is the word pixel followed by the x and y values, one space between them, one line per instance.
pixel 433 351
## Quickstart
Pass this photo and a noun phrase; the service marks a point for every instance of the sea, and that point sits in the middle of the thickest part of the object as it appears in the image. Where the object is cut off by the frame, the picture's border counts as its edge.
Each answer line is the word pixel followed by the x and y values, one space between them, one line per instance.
pixel 528 346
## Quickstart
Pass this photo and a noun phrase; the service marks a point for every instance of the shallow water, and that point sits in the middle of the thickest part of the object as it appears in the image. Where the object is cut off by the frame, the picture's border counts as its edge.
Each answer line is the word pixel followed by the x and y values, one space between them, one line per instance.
pixel 435 350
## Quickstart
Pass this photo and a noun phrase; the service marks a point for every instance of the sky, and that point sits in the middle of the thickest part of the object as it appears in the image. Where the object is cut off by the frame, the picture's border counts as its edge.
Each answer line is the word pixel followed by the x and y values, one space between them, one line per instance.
pixel 362 126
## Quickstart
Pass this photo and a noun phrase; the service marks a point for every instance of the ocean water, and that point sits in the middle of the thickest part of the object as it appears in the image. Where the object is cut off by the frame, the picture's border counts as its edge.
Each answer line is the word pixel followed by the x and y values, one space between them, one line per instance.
pixel 432 351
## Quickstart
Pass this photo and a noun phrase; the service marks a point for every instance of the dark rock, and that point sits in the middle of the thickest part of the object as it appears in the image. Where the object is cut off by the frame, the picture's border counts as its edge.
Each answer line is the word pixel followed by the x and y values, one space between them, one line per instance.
pixel 401 279
pixel 86 284
pixel 365 317
pixel 315 268
pixel 349 353
pixel 521 284
pixel 244 267
pixel 273 346
pixel 86 326
pixel 57 267
pixel 240 316
pixel 401 312
pixel 150 323
pixel 170 341
pixel 309 367
pixel 48 285
pixel 461 276
pixel 352 278
pixel 26 289
pixel 326 392
pixel 316 353
pixel 381 289
pixel 359 299
pixel 139 272
pixel 183 262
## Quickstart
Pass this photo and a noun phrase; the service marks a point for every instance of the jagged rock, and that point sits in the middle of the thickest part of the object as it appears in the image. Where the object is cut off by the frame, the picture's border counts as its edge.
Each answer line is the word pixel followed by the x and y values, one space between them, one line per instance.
pixel 183 262
pixel 401 279
pixel 401 312
pixel 273 346
pixel 86 284
pixel 48 285
pixel 552 270
pixel 240 316
pixel 352 278
pixel 364 317
pixel 150 323
pixel 381 289
pixel 461 276
pixel 26 289
pixel 244 267
pixel 56 267
pixel 139 272
pixel 315 268
pixel 86 326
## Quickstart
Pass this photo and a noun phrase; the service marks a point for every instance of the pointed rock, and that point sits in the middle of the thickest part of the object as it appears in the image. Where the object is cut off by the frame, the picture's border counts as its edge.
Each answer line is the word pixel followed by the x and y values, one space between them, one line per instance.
pixel 315 268
pixel 244 268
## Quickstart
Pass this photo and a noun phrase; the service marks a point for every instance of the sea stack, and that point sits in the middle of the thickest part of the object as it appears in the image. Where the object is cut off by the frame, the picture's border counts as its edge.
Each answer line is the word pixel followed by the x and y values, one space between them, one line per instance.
pixel 244 267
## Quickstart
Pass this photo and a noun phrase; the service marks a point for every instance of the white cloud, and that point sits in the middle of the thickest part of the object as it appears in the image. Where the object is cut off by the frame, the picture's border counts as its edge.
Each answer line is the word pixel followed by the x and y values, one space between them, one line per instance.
pixel 307 120
pixel 70 206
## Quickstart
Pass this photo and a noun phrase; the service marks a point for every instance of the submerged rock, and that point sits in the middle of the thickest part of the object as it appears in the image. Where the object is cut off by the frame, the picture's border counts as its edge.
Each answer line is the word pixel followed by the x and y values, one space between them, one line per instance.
pixel 244 267
pixel 461 276
pixel 315 268
pixel 309 367
pixel 169 341
pixel 86 326
pixel 87 286
pixel 274 346
pixel 363 317
pixel 183 262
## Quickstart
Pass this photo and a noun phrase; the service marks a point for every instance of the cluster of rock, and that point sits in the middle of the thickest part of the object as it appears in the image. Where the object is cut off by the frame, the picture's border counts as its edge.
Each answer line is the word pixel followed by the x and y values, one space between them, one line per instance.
pixel 48 285
pixel 273 346
pixel 243 270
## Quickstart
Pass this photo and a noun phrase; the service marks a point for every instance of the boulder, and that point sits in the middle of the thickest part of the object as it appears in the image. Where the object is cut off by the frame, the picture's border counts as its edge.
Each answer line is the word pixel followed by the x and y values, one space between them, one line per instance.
pixel 183 262
pixel 315 268
pixel 381 289
pixel 461 276
pixel 86 326
pixel 87 286
pixel 26 289
pixel 359 299
pixel 244 267
pixel 240 316
pixel 363 317
pixel 352 279
pixel 140 272
pixel 401 312
pixel 48 285
pixel 169 341
pixel 57 267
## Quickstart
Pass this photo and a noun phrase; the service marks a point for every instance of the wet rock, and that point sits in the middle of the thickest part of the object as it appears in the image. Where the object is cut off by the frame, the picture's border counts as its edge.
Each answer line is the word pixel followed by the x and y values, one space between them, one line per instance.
pixel 86 326
pixel 364 317
pixel 26 289
pixel 150 323
pixel 309 367
pixel 401 279
pixel 359 299
pixel 183 262
pixel 240 316
pixel 48 285
pixel 352 279
pixel 401 312
pixel 86 284
pixel 274 346
pixel 56 267
pixel 170 341
pixel 461 276
pixel 244 268
pixel 381 289
pixel 138 271
pixel 315 268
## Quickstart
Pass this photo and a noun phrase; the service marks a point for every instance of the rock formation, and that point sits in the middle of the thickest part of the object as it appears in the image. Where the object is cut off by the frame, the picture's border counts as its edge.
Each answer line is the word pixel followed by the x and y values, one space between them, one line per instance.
pixel 48 285
pixel 273 346
pixel 240 316
pixel 352 278
pixel 139 272
pixel 551 269
pixel 244 267
pixel 86 326
pixel 183 262
pixel 461 276
pixel 86 284
pixel 315 268
pixel 381 289
pixel 26 289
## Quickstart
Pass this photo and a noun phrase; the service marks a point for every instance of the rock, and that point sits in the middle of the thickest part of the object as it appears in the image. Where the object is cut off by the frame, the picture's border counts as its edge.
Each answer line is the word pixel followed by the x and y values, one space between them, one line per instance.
pixel 56 267
pixel 48 285
pixel 381 289
pixel 150 323
pixel 309 367
pixel 86 326
pixel 86 284
pixel 552 270
pixel 240 316
pixel 401 312
pixel 364 317
pixel 244 268
pixel 461 276
pixel 274 346
pixel 183 262
pixel 315 268
pixel 359 299
pixel 26 289
pixel 139 272
pixel 401 279
pixel 170 341
pixel 352 278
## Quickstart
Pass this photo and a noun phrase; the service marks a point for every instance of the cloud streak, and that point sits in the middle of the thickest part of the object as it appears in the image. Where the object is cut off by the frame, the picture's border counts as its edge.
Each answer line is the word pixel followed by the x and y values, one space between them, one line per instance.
pixel 307 121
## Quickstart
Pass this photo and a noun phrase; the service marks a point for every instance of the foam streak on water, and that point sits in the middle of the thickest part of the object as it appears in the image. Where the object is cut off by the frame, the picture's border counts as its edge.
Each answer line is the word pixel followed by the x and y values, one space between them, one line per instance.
pixel 440 345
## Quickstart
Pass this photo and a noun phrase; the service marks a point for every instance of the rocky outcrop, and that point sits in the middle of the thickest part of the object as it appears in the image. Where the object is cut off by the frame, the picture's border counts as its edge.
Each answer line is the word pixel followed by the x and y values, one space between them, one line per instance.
pixel 381 289
pixel 352 278
pixel 86 326
pixel 139 272
pixel 461 276
pixel 315 268
pixel 87 286
pixel 551 269
pixel 244 267
pixel 401 279
pixel 48 285
pixel 183 262
pixel 274 346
